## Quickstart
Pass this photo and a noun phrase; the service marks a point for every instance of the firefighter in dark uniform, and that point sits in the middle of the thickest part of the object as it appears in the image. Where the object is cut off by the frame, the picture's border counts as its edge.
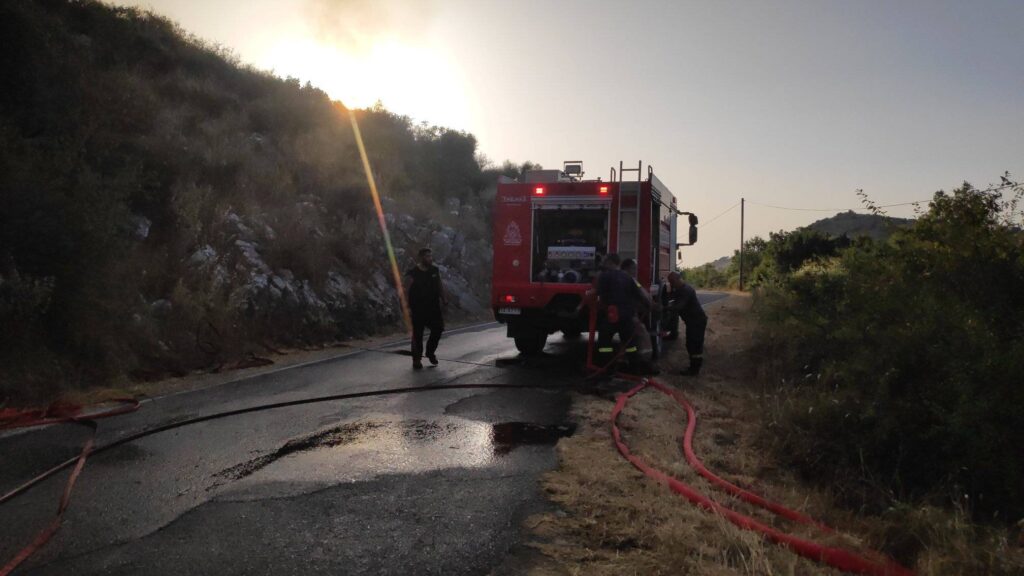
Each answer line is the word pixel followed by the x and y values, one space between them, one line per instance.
pixel 426 297
pixel 646 341
pixel 619 294
pixel 684 303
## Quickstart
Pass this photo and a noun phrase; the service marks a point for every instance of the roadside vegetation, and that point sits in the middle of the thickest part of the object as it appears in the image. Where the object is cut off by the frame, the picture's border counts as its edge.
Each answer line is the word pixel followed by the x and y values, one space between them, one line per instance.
pixel 786 249
pixel 753 405
pixel 611 519
pixel 164 208
pixel 894 371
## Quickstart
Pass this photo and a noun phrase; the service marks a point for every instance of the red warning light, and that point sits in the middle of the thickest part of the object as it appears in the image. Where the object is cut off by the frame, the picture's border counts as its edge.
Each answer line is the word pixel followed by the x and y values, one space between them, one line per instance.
pixel 603 189
pixel 538 191
pixel 510 299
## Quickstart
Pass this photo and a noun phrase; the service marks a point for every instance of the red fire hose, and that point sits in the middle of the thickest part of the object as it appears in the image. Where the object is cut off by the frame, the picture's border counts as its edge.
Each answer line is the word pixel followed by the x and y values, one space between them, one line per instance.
pixel 56 414
pixel 838 558
pixel 20 419
pixel 698 466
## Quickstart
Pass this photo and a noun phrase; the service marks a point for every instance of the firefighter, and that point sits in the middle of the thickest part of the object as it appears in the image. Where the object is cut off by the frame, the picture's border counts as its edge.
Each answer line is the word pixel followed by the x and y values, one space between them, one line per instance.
pixel 645 307
pixel 619 295
pixel 684 303
pixel 426 297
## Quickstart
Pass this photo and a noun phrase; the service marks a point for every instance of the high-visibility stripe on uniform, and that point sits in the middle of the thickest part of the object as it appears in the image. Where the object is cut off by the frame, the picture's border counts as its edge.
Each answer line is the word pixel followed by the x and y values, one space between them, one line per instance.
pixel 605 350
pixel 631 349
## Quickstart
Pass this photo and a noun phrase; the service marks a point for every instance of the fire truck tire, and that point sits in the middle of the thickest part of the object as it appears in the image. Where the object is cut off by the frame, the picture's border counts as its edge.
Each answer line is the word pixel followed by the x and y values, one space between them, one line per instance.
pixel 531 343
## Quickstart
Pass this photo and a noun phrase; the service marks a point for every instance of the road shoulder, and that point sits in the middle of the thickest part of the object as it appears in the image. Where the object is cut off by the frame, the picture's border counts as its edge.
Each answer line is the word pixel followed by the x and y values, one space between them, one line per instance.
pixel 613 520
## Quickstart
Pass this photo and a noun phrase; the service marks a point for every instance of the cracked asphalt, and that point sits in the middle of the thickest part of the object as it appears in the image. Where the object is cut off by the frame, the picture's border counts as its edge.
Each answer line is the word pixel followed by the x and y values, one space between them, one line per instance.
pixel 428 483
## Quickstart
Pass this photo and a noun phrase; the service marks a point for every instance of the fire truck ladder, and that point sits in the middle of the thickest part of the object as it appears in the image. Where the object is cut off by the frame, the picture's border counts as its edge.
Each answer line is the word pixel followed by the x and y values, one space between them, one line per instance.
pixel 629 212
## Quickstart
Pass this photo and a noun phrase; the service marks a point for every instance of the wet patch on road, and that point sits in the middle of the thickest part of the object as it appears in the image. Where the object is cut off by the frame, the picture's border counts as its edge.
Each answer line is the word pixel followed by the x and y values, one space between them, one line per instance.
pixel 357 451
pixel 508 436
pixel 562 367
pixel 324 439
pixel 425 431
pixel 525 405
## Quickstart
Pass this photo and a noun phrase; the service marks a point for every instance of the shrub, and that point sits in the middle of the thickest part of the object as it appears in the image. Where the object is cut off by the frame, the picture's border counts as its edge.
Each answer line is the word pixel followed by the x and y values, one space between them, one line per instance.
pixel 908 356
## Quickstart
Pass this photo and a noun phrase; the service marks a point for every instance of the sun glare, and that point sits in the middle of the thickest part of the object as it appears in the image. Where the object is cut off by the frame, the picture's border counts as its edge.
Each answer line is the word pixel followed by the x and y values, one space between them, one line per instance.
pixel 416 81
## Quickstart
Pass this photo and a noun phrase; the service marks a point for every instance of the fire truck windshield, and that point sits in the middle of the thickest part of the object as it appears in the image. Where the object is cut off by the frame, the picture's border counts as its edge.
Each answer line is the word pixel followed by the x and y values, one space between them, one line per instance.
pixel 568 242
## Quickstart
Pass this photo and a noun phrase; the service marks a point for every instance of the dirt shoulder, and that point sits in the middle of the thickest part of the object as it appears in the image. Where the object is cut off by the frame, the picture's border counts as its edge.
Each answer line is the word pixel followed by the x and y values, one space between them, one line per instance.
pixel 613 520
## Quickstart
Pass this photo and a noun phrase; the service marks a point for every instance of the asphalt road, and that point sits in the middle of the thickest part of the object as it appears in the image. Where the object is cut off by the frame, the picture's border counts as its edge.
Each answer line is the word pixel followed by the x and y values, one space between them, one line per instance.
pixel 428 483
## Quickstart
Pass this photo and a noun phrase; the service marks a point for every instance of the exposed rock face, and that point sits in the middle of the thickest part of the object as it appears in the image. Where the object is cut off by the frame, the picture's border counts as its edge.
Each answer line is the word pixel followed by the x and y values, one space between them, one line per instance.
pixel 161 308
pixel 139 226
pixel 204 255
pixel 343 302
pixel 441 244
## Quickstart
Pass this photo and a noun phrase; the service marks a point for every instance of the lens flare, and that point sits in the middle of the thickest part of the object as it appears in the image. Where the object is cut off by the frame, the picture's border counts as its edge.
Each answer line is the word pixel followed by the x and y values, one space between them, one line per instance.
pixel 383 223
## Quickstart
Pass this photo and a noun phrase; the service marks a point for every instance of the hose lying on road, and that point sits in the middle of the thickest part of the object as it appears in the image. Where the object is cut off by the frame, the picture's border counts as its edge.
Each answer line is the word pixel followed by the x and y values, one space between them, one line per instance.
pixel 56 414
pixel 838 558
pixel 89 448
pixel 66 413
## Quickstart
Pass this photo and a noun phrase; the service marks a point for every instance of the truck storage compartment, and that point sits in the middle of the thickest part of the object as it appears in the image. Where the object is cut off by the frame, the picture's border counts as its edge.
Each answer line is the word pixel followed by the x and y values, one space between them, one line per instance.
pixel 569 240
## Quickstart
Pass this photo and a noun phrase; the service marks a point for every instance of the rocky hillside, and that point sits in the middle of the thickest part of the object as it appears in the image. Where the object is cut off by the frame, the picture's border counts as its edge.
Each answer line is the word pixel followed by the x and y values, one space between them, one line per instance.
pixel 164 209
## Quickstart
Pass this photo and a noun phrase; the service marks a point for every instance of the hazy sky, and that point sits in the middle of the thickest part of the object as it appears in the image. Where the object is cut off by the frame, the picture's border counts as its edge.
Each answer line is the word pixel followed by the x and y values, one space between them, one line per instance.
pixel 786 103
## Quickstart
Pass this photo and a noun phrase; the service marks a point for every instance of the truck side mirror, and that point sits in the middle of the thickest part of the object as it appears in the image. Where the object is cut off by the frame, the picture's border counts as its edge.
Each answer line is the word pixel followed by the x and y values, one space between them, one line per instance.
pixel 693 229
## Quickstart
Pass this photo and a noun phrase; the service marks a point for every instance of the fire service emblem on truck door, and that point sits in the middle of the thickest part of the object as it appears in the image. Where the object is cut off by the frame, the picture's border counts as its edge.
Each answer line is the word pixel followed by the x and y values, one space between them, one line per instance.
pixel 513 237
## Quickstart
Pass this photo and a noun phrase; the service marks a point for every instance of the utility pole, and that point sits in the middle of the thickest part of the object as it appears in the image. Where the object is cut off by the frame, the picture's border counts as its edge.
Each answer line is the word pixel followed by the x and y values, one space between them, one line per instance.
pixel 743 203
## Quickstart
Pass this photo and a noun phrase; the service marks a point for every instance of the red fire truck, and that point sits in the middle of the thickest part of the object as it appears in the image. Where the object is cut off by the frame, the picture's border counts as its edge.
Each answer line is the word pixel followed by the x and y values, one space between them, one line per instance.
pixel 551 230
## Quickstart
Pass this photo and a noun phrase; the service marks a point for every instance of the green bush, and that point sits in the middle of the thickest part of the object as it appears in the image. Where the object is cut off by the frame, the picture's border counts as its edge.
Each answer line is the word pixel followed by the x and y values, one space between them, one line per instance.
pixel 907 356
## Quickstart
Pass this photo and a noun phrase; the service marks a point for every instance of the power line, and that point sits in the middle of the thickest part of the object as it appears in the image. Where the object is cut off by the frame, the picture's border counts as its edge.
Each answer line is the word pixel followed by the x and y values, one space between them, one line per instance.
pixel 776 207
pixel 832 209
pixel 727 210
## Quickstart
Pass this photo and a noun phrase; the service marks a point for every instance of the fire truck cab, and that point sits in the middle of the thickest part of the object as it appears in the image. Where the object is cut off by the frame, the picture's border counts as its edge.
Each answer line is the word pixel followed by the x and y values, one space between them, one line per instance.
pixel 551 231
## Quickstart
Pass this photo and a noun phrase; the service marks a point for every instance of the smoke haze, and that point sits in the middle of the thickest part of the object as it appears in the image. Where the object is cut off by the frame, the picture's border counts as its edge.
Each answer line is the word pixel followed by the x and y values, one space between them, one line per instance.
pixel 355 25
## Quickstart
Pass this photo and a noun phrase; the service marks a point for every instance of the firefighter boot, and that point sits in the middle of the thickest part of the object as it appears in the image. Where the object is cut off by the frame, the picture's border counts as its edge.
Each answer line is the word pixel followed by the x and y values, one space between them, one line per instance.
pixel 604 358
pixel 695 364
pixel 639 366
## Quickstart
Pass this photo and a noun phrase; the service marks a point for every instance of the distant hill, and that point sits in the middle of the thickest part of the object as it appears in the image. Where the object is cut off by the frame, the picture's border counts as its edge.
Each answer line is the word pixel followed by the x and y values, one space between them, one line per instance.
pixel 850 223
pixel 722 263
pixel 856 225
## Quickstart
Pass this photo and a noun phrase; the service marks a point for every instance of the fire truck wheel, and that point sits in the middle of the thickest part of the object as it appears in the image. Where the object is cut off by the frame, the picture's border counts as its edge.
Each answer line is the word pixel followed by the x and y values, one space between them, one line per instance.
pixel 531 343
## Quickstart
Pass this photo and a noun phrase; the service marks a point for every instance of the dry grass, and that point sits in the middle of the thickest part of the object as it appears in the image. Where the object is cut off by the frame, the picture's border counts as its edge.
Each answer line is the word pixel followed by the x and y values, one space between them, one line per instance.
pixel 614 520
